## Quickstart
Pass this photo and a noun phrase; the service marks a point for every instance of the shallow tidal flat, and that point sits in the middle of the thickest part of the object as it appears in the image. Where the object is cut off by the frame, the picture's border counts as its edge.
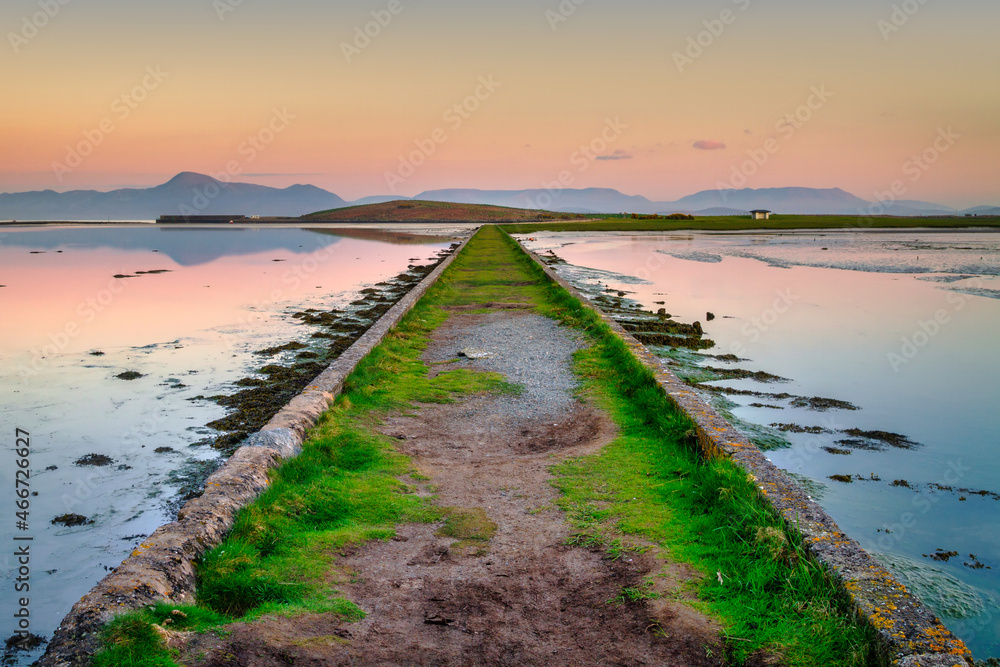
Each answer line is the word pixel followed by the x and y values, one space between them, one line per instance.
pixel 865 362
pixel 126 351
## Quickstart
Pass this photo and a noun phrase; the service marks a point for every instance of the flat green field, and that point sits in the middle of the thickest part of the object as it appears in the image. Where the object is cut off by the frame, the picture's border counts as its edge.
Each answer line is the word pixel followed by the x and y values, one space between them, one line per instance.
pixel 732 223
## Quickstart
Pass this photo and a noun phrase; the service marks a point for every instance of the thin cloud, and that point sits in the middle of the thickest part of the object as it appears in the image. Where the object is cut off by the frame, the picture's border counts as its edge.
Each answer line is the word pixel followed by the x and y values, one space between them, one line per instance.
pixel 705 145
pixel 617 155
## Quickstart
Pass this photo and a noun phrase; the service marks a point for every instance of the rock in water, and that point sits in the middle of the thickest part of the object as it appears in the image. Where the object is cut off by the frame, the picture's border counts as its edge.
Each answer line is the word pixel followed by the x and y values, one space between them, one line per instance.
pixel 475 353
pixel 71 520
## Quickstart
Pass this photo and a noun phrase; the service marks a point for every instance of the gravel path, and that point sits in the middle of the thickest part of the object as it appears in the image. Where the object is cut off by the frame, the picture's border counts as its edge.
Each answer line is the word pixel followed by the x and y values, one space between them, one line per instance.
pixel 530 350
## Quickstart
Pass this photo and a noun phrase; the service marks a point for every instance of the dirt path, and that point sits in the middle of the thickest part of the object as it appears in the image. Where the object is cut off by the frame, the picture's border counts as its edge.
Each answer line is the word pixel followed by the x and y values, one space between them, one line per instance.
pixel 518 595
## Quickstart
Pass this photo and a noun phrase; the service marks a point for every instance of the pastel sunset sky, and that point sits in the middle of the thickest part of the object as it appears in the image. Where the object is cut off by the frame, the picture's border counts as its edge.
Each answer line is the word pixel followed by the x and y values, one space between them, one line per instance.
pixel 694 89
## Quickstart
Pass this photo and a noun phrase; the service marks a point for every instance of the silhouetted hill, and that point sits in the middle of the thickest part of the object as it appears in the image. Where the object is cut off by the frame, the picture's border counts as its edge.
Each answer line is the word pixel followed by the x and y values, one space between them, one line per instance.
pixel 413 210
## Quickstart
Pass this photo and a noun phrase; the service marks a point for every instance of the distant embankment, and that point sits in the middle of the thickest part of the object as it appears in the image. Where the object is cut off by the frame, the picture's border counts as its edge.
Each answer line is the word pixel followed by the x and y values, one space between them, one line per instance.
pixel 204 219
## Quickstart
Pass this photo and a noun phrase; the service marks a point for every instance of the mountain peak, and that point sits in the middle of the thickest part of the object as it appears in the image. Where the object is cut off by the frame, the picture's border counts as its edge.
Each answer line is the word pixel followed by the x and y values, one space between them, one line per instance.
pixel 190 179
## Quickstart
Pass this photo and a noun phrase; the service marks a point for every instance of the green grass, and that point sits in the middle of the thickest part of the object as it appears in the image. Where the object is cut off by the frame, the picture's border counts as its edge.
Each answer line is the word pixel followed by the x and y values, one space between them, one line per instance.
pixel 736 223
pixel 488 272
pixel 635 594
pixel 131 640
pixel 649 486
pixel 471 527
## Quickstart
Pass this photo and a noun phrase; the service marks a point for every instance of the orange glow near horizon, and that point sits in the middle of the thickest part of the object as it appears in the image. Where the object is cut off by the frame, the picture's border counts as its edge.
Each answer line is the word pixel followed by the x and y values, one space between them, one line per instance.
pixel 224 78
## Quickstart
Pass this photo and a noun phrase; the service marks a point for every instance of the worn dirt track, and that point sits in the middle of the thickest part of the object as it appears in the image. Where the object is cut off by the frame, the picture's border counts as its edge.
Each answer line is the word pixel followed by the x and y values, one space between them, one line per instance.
pixel 524 597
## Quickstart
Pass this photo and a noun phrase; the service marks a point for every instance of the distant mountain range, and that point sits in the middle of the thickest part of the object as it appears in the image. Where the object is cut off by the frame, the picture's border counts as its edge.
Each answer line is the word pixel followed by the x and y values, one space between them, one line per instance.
pixel 708 202
pixel 196 194
pixel 184 194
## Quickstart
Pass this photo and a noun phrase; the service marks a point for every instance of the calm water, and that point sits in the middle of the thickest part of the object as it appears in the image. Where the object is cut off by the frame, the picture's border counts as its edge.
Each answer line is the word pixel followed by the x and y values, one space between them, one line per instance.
pixel 189 331
pixel 903 325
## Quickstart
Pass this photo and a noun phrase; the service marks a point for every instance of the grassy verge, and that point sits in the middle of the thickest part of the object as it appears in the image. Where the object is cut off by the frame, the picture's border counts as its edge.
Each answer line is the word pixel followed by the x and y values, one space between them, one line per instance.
pixel 757 579
pixel 346 488
pixel 732 223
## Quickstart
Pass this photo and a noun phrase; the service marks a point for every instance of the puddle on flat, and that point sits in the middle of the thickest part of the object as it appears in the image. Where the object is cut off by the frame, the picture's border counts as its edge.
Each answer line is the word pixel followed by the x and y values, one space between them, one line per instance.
pixel 903 325
pixel 197 305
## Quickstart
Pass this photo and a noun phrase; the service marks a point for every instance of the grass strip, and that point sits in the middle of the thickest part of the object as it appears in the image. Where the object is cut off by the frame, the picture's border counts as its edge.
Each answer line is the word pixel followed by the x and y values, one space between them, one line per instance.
pixel 649 483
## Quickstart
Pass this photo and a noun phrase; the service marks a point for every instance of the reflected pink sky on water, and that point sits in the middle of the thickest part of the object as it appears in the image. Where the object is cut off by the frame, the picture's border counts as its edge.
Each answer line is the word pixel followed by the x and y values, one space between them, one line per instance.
pixel 75 293
pixel 781 317
pixel 190 332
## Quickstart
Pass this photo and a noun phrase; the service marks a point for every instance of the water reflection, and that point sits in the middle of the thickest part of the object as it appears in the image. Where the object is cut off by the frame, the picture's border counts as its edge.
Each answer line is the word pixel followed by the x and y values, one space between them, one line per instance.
pixel 72 328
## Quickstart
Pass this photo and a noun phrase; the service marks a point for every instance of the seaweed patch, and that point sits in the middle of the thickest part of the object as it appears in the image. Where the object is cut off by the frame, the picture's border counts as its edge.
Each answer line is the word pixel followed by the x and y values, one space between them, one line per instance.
pixel 71 520
pixel 877 440
pixel 94 460
pixel 795 428
pixel 261 396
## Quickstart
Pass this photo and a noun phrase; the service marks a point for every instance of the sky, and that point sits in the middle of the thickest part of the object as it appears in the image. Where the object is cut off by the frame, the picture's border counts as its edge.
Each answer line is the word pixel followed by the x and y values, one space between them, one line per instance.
pixel 661 99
